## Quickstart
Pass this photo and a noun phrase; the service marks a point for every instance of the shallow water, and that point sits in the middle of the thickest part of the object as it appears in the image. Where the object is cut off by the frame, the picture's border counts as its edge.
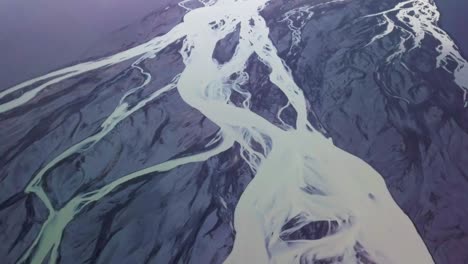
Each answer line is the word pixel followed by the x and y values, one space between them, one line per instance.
pixel 240 132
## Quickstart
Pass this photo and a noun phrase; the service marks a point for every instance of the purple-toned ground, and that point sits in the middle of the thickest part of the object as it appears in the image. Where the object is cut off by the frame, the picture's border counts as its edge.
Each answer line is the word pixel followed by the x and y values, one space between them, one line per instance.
pixel 410 125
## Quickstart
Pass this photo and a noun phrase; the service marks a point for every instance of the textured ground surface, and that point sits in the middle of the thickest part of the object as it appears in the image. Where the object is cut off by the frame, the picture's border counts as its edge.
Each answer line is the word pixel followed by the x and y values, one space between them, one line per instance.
pixel 406 119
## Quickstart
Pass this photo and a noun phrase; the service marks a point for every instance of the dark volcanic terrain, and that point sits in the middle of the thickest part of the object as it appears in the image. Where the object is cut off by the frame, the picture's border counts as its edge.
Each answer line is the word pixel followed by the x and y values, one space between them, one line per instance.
pixel 401 114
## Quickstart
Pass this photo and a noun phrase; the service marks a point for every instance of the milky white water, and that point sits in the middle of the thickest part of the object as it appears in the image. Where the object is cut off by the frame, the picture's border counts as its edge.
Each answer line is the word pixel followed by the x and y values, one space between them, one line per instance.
pixel 299 174
pixel 296 20
pixel 416 19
